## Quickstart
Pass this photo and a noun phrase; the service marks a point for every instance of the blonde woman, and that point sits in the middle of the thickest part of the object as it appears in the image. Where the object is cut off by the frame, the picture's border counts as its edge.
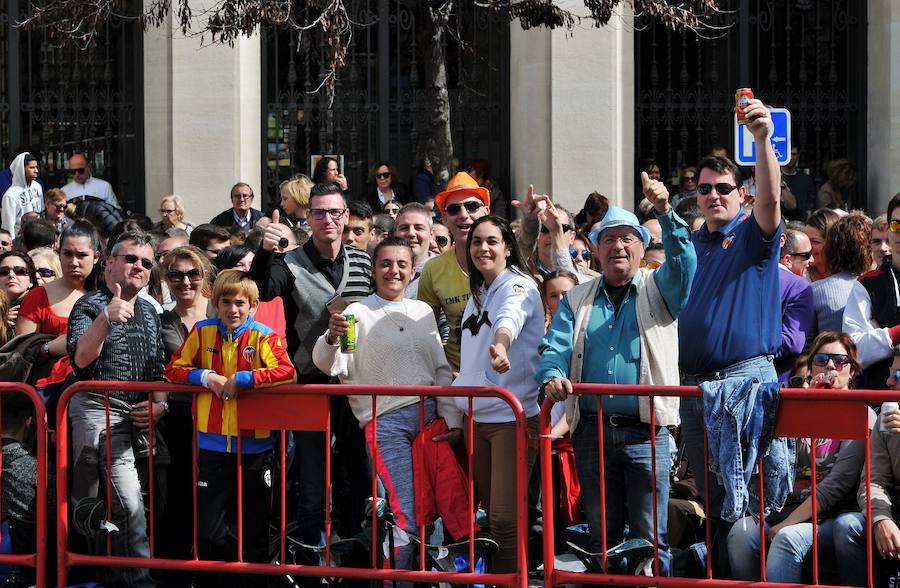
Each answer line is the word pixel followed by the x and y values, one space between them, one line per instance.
pixel 295 200
pixel 171 214
pixel 46 264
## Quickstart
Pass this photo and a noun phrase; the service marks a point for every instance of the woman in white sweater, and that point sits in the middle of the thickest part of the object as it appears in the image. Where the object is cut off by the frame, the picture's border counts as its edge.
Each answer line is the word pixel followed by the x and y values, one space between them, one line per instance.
pixel 502 328
pixel 398 344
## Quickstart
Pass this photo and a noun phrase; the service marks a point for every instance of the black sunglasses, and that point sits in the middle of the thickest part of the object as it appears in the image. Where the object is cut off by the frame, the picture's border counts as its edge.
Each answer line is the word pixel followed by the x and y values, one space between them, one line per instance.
pixel 76 170
pixel 383 175
pixel 803 254
pixel 147 264
pixel 470 205
pixel 179 276
pixel 797 381
pixel 441 240
pixel 839 359
pixel 566 228
pixel 19 270
pixel 45 272
pixel 689 178
pixel 723 188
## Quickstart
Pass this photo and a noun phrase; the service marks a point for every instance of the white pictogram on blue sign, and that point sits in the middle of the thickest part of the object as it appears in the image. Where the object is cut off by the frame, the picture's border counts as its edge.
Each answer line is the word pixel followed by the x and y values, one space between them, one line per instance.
pixel 745 146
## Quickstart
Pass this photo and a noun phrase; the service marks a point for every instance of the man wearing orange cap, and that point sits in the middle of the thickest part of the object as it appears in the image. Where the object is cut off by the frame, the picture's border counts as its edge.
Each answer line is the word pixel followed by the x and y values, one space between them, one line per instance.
pixel 444 283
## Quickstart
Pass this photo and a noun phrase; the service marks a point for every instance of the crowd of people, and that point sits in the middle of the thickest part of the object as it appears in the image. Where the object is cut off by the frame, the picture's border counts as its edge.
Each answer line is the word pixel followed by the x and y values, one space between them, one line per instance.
pixel 709 286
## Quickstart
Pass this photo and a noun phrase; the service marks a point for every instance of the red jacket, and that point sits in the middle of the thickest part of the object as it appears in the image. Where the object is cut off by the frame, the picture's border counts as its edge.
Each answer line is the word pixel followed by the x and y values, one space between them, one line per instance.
pixel 441 483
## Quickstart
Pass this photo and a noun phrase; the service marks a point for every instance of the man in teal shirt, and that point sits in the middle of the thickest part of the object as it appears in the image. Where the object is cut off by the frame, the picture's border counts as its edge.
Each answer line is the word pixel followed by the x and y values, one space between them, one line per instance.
pixel 621 329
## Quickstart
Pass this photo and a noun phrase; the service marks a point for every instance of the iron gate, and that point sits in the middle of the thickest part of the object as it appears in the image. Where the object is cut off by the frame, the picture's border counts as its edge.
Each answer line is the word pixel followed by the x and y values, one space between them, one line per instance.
pixel 379 109
pixel 56 101
pixel 805 55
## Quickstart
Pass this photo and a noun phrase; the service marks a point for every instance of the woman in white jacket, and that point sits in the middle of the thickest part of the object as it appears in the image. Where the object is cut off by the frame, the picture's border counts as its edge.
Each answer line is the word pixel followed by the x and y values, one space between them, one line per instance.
pixel 398 344
pixel 502 328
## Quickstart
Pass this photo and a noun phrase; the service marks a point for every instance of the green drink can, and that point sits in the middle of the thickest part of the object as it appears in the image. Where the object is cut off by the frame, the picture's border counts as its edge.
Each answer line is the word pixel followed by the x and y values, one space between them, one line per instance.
pixel 348 341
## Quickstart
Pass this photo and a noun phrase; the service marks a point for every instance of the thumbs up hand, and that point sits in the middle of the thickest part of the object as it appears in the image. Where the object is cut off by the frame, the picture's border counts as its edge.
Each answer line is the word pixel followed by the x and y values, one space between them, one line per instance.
pixel 273 234
pixel 655 191
pixel 119 310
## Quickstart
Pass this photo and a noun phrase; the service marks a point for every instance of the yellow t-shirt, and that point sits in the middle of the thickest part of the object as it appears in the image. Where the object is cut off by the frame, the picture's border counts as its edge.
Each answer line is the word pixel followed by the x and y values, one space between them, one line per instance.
pixel 443 284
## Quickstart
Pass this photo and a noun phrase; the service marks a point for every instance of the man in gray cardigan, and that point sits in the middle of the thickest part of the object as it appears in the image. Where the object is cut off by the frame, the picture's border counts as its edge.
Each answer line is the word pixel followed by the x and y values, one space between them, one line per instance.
pixel 621 329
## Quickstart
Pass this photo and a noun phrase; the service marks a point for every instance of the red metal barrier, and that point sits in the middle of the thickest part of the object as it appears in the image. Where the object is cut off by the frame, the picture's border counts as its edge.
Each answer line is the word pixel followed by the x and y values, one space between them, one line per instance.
pixel 280 409
pixel 38 559
pixel 803 413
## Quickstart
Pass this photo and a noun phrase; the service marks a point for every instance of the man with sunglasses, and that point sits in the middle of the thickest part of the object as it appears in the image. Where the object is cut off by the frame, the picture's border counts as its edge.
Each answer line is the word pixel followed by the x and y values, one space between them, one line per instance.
pixel 241 215
pixel 85 184
pixel 115 335
pixel 444 283
pixel 308 278
pixel 731 325
pixel 872 314
pixel 797 308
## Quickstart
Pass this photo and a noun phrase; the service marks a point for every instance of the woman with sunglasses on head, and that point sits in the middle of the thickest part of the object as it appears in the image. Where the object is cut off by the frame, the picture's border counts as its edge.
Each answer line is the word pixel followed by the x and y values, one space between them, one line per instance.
pixel 384 188
pixel 833 364
pixel 17 277
pixel 45 309
pixel 502 327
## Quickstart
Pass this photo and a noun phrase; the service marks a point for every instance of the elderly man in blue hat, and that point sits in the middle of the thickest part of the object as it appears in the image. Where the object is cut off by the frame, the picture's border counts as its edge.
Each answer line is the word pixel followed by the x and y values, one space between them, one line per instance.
pixel 621 329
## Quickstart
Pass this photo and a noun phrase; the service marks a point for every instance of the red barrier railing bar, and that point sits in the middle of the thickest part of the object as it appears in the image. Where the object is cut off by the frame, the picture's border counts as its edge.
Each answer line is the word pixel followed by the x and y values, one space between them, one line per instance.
pixel 547 498
pixel 376 548
pixel 328 483
pixel 283 507
pixel 602 469
pixel 196 476
pixel 109 493
pixel 653 488
pixel 762 523
pixel 470 452
pixel 421 520
pixel 150 473
pixel 240 493
pixel 813 454
pixel 869 524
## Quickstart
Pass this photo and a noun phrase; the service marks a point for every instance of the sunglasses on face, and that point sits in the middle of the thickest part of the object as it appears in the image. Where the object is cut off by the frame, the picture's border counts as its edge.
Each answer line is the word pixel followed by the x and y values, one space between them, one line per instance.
pixel 894 226
pixel 319 213
pixel 839 359
pixel 441 240
pixel 179 276
pixel 166 211
pixel 585 254
pixel 566 228
pixel 19 270
pixel 131 258
pixel 802 254
pixel 45 272
pixel 76 170
pixel 797 381
pixel 723 188
pixel 383 175
pixel 470 205
pixel 689 178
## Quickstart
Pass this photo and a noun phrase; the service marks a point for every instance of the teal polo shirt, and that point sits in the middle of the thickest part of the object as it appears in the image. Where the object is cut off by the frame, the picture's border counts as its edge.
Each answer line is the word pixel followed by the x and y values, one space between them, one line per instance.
pixel 734 310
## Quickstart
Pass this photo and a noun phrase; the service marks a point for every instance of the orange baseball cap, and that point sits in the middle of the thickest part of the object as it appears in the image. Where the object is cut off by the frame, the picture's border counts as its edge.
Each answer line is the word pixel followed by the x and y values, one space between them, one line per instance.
pixel 462 183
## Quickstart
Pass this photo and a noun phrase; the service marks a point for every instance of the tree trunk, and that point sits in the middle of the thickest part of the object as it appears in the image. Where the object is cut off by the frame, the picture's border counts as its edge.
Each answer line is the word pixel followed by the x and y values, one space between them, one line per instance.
pixel 431 24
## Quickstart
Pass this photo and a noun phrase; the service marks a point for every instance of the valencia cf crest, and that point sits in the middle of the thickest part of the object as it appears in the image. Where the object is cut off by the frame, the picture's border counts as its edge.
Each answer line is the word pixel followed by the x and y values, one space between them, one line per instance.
pixel 727 242
pixel 249 352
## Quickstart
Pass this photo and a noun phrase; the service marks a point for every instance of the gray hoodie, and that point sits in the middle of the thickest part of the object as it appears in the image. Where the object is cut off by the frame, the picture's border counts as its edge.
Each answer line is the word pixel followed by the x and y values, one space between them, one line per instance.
pixel 20 197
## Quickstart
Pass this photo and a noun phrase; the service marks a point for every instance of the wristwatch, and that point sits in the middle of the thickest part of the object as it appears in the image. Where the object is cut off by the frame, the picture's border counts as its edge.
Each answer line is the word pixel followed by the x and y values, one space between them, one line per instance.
pixel 165 405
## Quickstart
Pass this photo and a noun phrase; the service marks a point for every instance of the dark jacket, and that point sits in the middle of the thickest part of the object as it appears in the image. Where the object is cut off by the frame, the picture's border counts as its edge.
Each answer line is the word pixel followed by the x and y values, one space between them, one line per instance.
pixel 19 357
pixel 226 218
pixel 371 196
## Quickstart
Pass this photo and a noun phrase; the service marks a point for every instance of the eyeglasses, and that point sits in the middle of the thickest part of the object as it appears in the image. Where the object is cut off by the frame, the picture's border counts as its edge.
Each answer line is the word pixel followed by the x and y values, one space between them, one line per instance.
pixel 166 211
pixel 45 272
pixel 179 276
pixel 839 359
pixel 456 207
pixel 19 270
pixel 319 213
pixel 441 240
pixel 131 258
pixel 242 197
pixel 566 228
pixel 894 226
pixel 76 170
pixel 650 264
pixel 797 381
pixel 803 254
pixel 585 254
pixel 723 188
pixel 383 175
pixel 689 178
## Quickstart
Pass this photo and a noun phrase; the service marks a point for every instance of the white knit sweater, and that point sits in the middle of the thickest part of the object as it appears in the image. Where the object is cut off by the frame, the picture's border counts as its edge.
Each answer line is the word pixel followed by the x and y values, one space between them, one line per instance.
pixel 387 356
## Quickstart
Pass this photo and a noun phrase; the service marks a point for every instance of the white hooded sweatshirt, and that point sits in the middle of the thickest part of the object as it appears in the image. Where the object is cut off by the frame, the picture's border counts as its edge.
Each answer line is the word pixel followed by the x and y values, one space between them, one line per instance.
pixel 21 197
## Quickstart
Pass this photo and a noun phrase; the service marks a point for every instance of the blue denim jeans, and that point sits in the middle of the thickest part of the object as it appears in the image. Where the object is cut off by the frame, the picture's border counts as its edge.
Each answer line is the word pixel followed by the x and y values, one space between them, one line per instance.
pixel 692 429
pixel 627 459
pixel 842 544
pixel 87 414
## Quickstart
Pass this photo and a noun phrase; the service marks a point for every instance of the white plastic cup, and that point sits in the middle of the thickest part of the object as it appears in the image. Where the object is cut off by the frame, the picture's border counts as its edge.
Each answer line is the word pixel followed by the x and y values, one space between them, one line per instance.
pixel 886 406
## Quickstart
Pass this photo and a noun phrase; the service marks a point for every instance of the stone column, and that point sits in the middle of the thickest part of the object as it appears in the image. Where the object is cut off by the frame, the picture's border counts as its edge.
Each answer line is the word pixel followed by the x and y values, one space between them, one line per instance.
pixel 883 108
pixel 572 112
pixel 203 123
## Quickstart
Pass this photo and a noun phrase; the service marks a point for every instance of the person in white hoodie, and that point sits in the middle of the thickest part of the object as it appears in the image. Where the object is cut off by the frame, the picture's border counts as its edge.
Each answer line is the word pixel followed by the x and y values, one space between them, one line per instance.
pixel 502 327
pixel 398 344
pixel 24 195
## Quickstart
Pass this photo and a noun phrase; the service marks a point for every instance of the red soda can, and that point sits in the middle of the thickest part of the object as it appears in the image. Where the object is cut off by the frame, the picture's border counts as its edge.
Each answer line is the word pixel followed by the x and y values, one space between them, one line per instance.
pixel 741 100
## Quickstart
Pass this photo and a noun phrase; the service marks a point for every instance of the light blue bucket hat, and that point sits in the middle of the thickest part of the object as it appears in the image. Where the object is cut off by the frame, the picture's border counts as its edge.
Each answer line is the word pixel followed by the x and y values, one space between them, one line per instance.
pixel 619 217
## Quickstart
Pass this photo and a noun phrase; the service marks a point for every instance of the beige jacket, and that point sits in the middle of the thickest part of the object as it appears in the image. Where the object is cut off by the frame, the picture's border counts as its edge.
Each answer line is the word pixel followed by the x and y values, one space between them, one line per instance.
pixel 885 460
pixel 659 347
